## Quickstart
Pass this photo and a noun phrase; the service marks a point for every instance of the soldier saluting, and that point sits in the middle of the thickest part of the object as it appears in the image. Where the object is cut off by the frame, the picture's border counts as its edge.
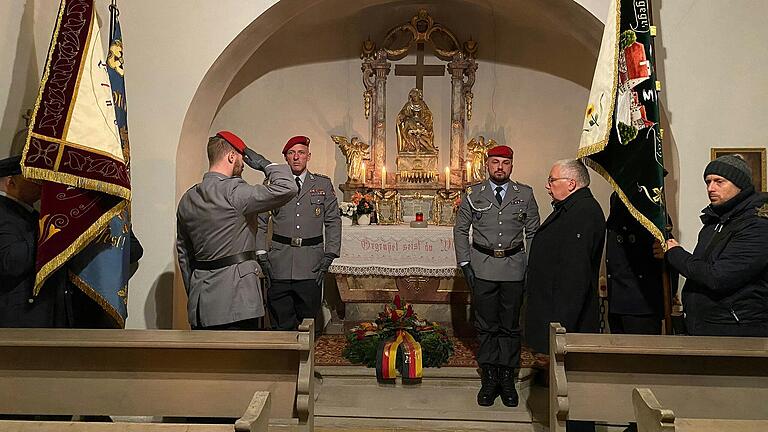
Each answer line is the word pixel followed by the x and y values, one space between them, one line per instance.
pixel 306 237
pixel 214 239
pixel 502 214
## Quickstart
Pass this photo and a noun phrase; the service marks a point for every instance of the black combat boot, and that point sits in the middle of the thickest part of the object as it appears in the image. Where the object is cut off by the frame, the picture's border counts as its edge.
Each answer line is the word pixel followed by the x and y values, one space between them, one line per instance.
pixel 507 383
pixel 489 389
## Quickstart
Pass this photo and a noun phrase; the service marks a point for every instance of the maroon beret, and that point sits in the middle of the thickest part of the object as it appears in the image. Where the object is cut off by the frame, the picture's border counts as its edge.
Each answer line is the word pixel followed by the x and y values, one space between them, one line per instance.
pixel 501 151
pixel 233 140
pixel 300 139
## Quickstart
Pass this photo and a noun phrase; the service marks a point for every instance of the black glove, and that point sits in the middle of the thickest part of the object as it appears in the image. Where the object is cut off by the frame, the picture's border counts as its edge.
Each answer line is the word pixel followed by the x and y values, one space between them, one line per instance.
pixel 469 275
pixel 322 268
pixel 255 160
pixel 266 268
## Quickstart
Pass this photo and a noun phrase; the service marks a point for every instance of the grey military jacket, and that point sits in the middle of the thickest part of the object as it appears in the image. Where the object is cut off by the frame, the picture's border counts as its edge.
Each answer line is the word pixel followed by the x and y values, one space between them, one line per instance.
pixel 495 226
pixel 314 210
pixel 215 219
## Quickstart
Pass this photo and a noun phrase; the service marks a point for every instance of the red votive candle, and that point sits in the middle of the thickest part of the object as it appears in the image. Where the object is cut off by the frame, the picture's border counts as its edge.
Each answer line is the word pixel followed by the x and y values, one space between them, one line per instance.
pixel 419 217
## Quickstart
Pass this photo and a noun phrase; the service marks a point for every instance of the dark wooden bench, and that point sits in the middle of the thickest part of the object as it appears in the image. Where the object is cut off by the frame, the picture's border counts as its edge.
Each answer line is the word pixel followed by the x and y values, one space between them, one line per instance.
pixel 251 375
pixel 592 376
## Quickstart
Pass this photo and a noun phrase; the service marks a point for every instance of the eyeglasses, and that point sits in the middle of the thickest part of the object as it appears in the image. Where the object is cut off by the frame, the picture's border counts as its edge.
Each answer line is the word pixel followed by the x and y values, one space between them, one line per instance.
pixel 551 180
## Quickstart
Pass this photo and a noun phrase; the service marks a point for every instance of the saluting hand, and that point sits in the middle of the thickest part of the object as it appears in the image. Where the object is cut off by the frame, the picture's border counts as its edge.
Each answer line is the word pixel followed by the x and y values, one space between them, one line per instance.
pixel 255 160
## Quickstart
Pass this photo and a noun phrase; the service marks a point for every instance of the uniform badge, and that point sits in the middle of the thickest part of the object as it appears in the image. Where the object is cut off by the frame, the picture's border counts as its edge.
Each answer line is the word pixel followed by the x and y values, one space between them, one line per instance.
pixel 522 217
pixel 763 211
pixel 316 192
pixel 317 211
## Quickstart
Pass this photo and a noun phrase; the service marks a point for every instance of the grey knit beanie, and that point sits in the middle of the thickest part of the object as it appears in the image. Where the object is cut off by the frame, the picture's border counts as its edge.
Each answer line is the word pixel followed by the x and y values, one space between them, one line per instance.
pixel 732 167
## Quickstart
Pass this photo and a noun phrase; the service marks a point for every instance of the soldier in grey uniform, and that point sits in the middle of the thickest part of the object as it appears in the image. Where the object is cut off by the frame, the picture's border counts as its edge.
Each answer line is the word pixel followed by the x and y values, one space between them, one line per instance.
pixel 306 237
pixel 502 214
pixel 215 235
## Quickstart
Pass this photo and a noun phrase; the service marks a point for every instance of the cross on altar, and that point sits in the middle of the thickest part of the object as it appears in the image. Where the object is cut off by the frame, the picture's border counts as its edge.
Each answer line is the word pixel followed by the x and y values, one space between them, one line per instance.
pixel 419 70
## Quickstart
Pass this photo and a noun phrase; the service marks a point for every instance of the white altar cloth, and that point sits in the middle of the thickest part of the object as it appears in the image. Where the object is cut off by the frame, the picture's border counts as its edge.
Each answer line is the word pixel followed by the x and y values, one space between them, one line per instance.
pixel 396 251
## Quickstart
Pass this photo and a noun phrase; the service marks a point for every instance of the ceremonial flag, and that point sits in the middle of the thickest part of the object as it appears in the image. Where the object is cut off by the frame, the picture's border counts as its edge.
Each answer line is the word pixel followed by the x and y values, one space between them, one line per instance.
pixel 102 269
pixel 621 138
pixel 74 145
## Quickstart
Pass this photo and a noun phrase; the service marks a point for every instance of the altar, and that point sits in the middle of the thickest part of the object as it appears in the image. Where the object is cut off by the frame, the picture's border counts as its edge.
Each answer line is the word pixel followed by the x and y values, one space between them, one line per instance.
pixel 420 183
pixel 419 264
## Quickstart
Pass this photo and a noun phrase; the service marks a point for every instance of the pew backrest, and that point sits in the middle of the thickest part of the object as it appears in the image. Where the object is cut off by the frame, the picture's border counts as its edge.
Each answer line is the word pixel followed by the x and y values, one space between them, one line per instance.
pixel 592 375
pixel 652 417
pixel 171 373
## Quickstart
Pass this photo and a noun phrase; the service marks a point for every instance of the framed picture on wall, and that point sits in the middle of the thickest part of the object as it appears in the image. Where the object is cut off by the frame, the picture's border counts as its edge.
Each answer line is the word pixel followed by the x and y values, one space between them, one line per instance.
pixel 755 158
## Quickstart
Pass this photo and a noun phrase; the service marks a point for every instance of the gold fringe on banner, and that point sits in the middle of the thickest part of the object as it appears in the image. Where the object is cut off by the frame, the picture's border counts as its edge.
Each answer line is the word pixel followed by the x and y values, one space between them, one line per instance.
pixel 90 292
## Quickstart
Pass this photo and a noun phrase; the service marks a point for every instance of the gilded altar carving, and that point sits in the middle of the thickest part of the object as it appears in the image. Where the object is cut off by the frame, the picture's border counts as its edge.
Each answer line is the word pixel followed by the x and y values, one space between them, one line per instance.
pixel 415 133
pixel 477 150
pixel 355 151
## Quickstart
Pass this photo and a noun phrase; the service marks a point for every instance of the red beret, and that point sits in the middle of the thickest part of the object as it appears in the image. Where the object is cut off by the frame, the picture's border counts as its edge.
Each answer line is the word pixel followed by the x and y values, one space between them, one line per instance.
pixel 233 140
pixel 501 151
pixel 295 140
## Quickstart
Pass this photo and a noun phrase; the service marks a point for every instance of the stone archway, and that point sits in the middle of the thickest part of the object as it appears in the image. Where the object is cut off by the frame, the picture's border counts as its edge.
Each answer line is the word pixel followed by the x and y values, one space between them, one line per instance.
pixel 563 40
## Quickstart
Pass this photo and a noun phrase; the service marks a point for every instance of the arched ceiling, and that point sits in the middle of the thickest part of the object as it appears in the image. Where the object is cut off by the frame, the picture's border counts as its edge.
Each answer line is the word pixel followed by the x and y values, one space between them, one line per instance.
pixel 558 37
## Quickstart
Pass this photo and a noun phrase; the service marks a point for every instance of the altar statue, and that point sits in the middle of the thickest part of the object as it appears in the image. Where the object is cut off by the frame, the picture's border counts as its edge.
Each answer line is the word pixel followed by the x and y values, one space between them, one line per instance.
pixel 414 126
pixel 355 151
pixel 477 149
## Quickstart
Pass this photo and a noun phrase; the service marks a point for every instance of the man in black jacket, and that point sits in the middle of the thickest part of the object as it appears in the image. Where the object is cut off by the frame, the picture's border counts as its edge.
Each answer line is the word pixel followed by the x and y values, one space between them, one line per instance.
pixel 564 261
pixel 726 288
pixel 18 239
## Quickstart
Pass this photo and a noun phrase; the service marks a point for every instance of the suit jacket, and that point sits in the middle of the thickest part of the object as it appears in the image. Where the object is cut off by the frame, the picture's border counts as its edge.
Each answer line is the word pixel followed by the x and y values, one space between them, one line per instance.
pixel 495 226
pixel 564 268
pixel 18 308
pixel 215 219
pixel 313 212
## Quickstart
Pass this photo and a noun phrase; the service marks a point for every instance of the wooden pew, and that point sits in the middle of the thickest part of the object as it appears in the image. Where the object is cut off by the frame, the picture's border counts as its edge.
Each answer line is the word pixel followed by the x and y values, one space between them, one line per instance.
pixel 651 417
pixel 169 373
pixel 591 376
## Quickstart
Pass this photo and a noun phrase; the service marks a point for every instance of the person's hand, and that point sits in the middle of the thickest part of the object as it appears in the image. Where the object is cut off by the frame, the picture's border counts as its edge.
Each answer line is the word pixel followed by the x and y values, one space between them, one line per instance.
pixel 266 268
pixel 322 268
pixel 672 243
pixel 658 251
pixel 255 160
pixel 469 275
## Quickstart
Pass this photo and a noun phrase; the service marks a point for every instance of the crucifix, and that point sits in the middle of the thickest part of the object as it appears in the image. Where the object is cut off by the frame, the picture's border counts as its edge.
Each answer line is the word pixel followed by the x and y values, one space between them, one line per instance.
pixel 419 70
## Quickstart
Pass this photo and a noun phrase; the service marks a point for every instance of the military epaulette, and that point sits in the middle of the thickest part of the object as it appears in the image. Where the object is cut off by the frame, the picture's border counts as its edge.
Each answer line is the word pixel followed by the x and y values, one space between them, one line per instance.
pixel 321 176
pixel 762 211
pixel 468 189
pixel 520 185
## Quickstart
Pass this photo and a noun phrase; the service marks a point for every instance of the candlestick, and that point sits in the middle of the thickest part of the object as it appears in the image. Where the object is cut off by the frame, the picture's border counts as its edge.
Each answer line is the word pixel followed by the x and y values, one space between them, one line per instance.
pixel 383 177
pixel 447 178
pixel 469 172
pixel 365 174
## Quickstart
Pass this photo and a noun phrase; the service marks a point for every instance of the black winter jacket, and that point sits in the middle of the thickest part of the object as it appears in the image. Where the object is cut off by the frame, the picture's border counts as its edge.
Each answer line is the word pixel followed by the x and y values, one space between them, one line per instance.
pixel 727 282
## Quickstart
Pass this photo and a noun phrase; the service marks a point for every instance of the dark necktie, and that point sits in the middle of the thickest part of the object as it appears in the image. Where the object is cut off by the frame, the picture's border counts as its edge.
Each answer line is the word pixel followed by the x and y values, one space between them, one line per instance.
pixel 498 193
pixel 298 183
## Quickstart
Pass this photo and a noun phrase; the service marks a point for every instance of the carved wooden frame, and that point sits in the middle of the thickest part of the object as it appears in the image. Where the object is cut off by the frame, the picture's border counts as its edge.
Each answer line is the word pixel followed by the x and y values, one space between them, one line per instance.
pixel 418 196
pixel 389 201
pixel 443 201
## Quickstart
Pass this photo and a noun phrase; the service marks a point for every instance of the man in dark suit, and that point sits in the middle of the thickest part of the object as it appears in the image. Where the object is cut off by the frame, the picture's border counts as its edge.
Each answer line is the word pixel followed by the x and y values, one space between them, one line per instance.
pixel 18 243
pixel 306 237
pixel 564 263
pixel 503 214
pixel 215 235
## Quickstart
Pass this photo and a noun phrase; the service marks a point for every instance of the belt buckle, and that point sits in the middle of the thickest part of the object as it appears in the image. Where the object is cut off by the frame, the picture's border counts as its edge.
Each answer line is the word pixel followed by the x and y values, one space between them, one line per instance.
pixel 296 241
pixel 499 253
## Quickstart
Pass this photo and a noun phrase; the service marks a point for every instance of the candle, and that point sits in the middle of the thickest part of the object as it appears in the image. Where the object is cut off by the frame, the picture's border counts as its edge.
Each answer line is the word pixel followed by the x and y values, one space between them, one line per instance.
pixel 469 172
pixel 447 178
pixel 365 174
pixel 419 217
pixel 383 177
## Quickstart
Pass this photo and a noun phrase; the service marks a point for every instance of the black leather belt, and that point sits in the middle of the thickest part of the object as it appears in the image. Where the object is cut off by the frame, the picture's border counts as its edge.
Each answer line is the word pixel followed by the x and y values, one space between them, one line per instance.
pixel 297 241
pixel 223 262
pixel 498 253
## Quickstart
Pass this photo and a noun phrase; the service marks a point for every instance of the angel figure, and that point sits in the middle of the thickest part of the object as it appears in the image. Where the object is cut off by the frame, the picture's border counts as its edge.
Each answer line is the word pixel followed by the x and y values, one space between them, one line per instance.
pixel 355 151
pixel 477 151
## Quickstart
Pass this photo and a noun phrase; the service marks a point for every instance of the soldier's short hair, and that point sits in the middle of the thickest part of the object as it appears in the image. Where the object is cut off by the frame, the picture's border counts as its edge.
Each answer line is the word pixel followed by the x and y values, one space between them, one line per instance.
pixel 218 147
pixel 575 169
